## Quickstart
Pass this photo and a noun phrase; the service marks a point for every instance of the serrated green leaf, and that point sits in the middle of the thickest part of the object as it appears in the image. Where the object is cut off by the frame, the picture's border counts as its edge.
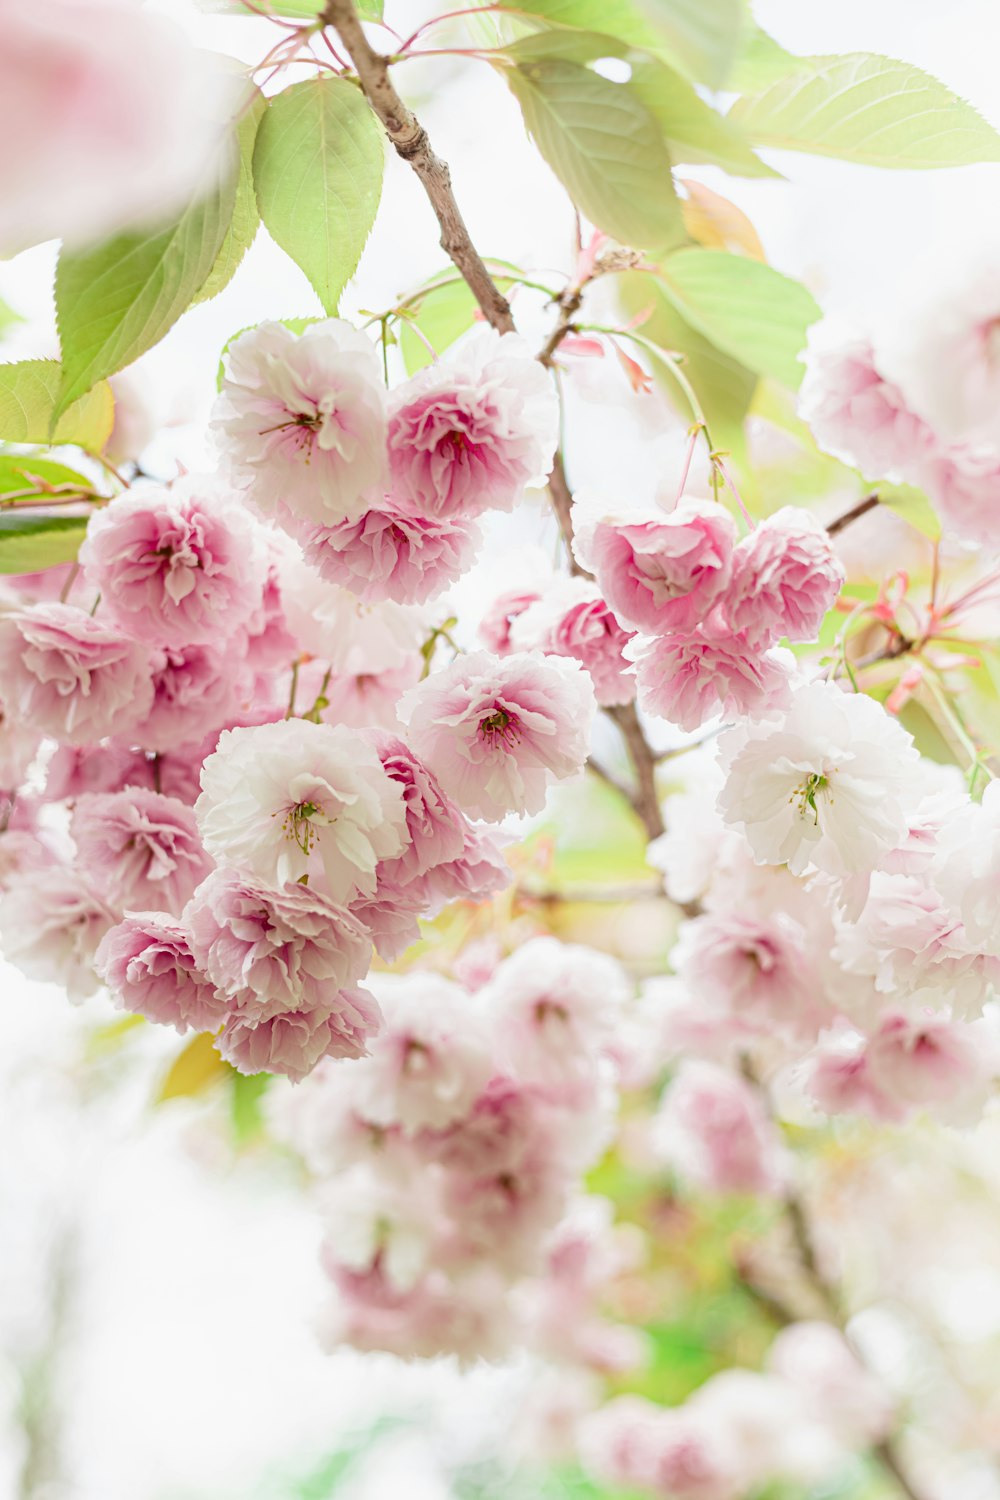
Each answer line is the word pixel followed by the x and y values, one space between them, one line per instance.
pixel 29 544
pixel 605 148
pixel 701 37
pixel 25 471
pixel 317 169
pixel 724 387
pixel 245 220
pixel 692 129
pixel 28 392
pixel 864 108
pixel 195 1068
pixel 118 299
pixel 746 308
pixel 762 61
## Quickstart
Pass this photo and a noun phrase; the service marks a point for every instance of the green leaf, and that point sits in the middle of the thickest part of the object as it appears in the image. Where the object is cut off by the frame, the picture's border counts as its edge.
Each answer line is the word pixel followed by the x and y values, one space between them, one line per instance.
pixel 29 544
pixel 8 317
pixel 762 61
pixel 195 1068
pixel 118 299
pixel 442 315
pixel 296 10
pixel 25 471
pixel 245 221
pixel 914 507
pixel 701 37
pixel 28 392
pixel 722 384
pixel 746 308
pixel 868 109
pixel 692 129
pixel 605 148
pixel 318 172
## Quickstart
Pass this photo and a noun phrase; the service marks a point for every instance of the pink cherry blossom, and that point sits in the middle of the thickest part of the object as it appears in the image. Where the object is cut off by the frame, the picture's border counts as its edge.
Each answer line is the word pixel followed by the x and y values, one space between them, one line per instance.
pixel 175 567
pixel 713 1128
pixel 147 964
pixel 195 690
pixel 930 1062
pixel 300 421
pixel 435 827
pixel 389 554
pixel 692 677
pixel 70 676
pixel 114 109
pixel 480 871
pixel 785 578
pixel 469 432
pixel 963 482
pixel 295 798
pixel 759 971
pixel 854 412
pixel 838 1391
pixel 273 951
pixel 838 1078
pixel 294 1041
pixel 470 1319
pixel 675 1453
pixel 140 849
pixel 51 922
pixel 498 622
pixel 495 730
pixel 572 619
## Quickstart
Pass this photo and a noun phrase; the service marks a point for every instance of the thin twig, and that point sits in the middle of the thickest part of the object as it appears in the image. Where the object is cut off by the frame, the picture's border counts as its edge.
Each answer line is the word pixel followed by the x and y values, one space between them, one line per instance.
pixel 411 143
pixel 855 513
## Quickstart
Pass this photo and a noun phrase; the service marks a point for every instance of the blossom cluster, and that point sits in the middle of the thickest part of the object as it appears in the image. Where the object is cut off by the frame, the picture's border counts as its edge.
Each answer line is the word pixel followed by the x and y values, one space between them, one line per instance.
pixel 229 780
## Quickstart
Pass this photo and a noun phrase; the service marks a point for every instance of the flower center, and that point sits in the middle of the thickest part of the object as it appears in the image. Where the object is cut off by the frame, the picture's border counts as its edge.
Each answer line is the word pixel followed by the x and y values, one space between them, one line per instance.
pixel 816 784
pixel 500 728
pixel 300 824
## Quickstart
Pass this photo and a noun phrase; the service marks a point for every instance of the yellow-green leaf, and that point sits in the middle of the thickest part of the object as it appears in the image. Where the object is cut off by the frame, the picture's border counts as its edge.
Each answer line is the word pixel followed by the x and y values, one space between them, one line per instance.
pixel 914 507
pixel 28 394
pixel 40 476
pixel 317 169
pixel 31 544
pixel 245 221
pixel 196 1067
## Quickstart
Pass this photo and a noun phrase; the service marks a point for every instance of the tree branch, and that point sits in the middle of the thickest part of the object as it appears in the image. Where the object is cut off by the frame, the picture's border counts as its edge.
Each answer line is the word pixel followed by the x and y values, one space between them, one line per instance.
pixel 412 144
pixel 854 514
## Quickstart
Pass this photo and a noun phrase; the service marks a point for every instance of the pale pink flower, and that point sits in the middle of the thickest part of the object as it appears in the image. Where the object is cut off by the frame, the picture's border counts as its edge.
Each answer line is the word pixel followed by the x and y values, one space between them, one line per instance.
pixel 823 783
pixel 431 1059
pixel 480 871
pixel 470 1319
pixel 196 689
pixel 854 412
pixel 786 576
pixel 661 571
pixel 691 677
pixel 75 770
pixel 553 1006
pixel 147 964
pixel 435 827
pixel 70 676
pixel 176 566
pixel 713 1128
pixel 572 619
pixel 273 951
pixel 838 1079
pixel 295 798
pixel 968 867
pixel 469 432
pixel 270 642
pixel 494 1134
pixel 766 1428
pixel 300 420
pixel 671 1452
pixel 113 109
pixel 386 1210
pixel 140 849
pixel 837 1391
pixel 294 1041
pixel 352 638
pixel 963 483
pixel 389 554
pixel 496 730
pixel 930 1062
pixel 50 925
pixel 390 917
pixel 366 700
pixel 18 748
pixel 498 622
pixel 759 971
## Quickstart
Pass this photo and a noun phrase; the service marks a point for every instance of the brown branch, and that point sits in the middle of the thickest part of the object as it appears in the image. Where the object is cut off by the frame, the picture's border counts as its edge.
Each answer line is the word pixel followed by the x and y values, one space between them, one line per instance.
pixel 411 143
pixel 645 800
pixel 854 514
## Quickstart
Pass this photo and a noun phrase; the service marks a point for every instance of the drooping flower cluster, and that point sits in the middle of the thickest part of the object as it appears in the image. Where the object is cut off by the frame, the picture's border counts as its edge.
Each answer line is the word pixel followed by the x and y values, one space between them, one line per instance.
pixel 449 1162
pixel 250 790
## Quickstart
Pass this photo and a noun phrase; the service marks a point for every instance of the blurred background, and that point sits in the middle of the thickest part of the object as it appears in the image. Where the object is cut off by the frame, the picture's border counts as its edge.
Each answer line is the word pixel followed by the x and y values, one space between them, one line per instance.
pixel 158 1277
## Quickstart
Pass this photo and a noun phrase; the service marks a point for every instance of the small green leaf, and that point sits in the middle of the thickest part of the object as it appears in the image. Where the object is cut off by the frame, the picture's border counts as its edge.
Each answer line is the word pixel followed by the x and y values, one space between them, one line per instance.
pixel 317 169
pixel 29 544
pixel 118 299
pixel 864 108
pixel 605 148
pixel 761 62
pixel 745 308
pixel 245 220
pixel 195 1068
pixel 8 317
pixel 25 471
pixel 28 392
pixel 296 10
pixel 247 1099
pixel 442 315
